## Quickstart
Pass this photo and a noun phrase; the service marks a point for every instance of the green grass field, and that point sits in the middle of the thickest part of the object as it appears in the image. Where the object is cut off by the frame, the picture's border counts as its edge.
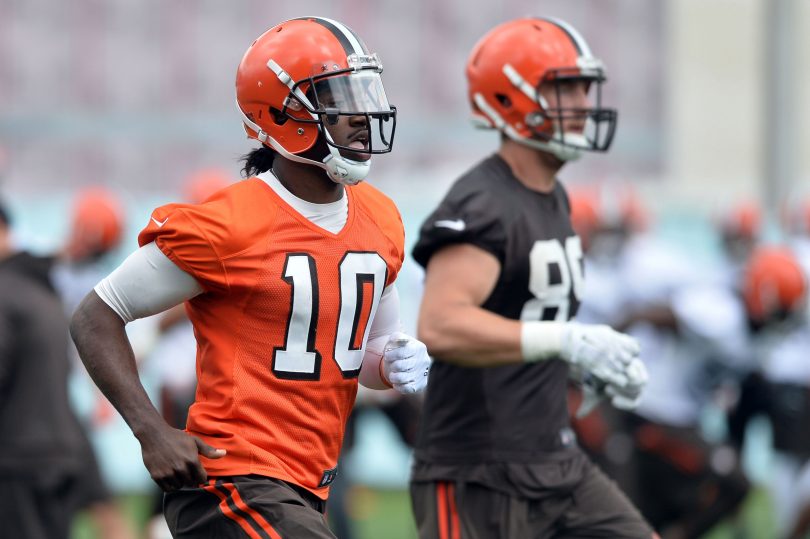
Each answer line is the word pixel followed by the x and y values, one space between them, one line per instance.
pixel 386 513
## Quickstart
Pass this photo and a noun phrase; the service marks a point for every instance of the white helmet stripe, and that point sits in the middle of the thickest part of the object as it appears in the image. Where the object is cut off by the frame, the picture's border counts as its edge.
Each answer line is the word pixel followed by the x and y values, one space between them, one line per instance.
pixel 285 78
pixel 520 83
pixel 576 37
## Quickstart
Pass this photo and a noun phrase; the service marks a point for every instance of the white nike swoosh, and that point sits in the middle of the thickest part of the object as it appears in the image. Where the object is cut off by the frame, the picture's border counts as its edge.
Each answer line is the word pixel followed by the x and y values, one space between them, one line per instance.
pixel 457 224
pixel 160 223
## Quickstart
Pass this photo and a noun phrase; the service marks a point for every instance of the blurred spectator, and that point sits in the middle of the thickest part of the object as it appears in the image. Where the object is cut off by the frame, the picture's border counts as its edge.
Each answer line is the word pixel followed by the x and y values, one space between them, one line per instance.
pixel 44 452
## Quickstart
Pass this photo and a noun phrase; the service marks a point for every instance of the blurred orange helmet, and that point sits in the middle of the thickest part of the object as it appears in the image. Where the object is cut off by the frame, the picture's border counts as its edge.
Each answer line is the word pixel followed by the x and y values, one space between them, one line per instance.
pixel 744 220
pixel 773 283
pixel 204 183
pixel 584 213
pixel 96 224
pixel 504 73
pixel 621 206
pixel 307 71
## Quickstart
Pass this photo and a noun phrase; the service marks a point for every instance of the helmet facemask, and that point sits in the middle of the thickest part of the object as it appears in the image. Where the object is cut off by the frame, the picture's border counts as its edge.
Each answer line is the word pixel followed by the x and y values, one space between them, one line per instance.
pixel 599 123
pixel 545 125
pixel 352 113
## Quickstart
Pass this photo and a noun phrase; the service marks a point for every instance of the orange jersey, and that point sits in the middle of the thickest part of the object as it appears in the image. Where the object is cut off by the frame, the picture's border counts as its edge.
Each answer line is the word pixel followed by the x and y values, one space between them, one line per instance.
pixel 282 325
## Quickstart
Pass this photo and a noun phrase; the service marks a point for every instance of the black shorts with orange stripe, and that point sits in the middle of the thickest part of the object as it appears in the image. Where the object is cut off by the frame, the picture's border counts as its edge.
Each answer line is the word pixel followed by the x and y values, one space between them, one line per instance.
pixel 245 506
pixel 595 507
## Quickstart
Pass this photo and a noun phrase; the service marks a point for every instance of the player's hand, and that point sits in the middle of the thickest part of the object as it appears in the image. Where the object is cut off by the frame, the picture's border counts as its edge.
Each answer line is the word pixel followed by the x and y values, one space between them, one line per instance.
pixel 622 397
pixel 627 396
pixel 172 458
pixel 599 350
pixel 406 363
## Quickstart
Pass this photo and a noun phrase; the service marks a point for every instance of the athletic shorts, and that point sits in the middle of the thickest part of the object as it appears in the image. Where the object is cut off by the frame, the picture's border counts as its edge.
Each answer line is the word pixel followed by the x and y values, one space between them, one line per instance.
pixel 245 506
pixel 37 506
pixel 595 507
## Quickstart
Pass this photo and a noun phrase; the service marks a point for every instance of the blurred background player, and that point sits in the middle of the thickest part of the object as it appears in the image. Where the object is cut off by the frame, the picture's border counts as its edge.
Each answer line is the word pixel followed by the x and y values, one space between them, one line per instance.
pixel 683 484
pixel 95 228
pixel 774 294
pixel 740 228
pixel 495 455
pixel 44 454
pixel 288 276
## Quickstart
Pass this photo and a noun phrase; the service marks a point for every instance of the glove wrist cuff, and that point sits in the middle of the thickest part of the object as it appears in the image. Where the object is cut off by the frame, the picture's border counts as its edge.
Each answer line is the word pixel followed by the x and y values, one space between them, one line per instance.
pixel 541 340
pixel 383 377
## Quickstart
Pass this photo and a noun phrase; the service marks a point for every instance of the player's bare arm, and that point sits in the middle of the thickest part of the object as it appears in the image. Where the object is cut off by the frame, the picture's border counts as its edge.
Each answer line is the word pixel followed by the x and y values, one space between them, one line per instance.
pixel 146 283
pixel 458 330
pixel 169 454
pixel 451 321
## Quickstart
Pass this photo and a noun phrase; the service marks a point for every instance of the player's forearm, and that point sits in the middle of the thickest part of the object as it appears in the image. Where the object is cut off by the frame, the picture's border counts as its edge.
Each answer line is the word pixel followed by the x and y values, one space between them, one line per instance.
pixel 371 373
pixel 470 336
pixel 105 350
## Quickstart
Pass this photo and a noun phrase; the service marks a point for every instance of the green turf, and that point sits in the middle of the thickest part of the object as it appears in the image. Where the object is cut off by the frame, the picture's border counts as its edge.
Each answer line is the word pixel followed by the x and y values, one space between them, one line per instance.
pixel 381 513
pixel 386 513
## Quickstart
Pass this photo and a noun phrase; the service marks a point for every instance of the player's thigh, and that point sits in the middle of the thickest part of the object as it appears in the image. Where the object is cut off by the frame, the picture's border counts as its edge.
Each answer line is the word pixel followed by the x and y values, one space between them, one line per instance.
pixel 600 509
pixel 244 507
pixel 444 509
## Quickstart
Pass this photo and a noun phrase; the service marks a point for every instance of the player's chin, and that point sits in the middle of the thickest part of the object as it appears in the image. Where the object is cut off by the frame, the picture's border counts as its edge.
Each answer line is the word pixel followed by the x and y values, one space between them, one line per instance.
pixel 355 156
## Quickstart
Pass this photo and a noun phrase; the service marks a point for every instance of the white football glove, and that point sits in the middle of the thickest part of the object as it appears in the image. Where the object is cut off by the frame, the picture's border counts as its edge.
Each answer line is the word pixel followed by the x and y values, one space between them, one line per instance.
pixel 628 396
pixel 406 363
pixel 624 397
pixel 600 351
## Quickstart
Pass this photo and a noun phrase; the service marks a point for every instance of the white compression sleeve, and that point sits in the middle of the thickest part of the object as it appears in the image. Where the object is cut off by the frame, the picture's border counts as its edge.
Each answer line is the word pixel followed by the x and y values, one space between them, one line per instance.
pixel 146 283
pixel 385 322
pixel 541 340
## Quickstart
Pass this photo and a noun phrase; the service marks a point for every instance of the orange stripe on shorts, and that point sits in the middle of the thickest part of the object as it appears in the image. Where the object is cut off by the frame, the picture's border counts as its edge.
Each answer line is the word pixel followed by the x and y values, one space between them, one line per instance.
pixel 226 510
pixel 255 515
pixel 455 527
pixel 441 507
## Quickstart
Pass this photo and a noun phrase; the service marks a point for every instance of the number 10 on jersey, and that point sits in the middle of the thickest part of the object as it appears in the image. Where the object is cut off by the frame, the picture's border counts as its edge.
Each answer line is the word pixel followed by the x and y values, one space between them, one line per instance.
pixel 362 277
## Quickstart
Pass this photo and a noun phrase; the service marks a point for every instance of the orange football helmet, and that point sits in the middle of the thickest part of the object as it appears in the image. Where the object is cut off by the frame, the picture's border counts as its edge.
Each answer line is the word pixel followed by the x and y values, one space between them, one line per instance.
pixel 773 283
pixel 584 214
pixel 506 70
pixel 96 224
pixel 297 78
pixel 743 220
pixel 202 184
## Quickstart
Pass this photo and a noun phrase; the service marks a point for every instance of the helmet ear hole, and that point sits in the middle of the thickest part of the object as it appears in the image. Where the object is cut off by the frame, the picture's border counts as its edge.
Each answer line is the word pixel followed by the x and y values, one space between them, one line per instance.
pixel 278 117
pixel 504 100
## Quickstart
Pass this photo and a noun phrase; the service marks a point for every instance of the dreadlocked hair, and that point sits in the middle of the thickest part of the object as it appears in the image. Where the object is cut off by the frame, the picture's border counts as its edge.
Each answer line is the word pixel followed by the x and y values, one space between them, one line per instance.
pixel 257 161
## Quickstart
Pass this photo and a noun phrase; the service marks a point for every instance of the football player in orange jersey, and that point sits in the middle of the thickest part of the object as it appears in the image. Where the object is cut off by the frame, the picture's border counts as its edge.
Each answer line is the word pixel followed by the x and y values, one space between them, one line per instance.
pixel 495 455
pixel 288 279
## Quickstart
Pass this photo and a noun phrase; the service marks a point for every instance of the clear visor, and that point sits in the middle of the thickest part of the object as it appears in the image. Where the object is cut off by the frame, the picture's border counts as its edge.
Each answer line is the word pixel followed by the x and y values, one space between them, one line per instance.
pixel 351 106
pixel 357 92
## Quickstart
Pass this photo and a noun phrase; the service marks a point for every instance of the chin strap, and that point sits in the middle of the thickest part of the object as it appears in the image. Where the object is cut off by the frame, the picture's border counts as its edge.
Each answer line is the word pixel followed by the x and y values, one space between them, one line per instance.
pixel 338 168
